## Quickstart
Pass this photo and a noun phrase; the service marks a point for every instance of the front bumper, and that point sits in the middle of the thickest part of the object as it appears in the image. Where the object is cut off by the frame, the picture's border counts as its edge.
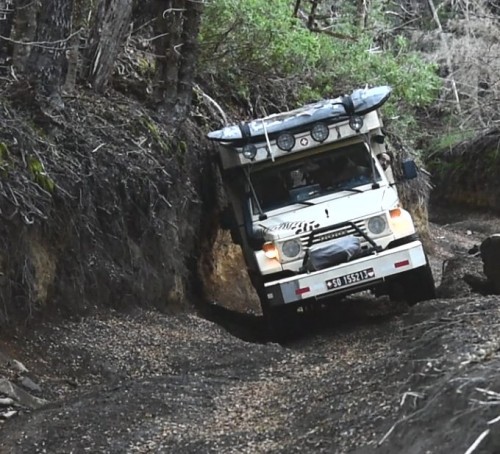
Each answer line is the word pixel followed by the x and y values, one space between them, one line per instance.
pixel 373 269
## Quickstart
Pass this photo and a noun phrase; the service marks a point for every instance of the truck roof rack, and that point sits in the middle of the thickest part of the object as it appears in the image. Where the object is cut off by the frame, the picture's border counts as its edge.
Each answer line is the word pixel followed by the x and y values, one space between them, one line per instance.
pixel 310 126
pixel 328 111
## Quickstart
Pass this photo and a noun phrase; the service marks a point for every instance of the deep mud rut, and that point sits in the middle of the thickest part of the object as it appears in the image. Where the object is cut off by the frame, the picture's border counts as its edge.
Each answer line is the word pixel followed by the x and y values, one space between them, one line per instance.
pixel 367 376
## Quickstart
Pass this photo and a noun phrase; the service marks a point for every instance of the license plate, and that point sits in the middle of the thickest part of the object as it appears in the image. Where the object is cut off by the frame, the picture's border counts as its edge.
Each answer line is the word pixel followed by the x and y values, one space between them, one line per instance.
pixel 351 278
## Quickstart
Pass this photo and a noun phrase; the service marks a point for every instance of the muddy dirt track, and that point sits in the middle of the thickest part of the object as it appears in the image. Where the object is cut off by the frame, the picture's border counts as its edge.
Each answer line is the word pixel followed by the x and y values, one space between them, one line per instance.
pixel 366 376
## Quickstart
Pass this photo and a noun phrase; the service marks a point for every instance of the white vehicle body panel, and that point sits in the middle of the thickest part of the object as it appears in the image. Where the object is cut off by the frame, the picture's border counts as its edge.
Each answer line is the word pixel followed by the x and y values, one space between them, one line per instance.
pixel 318 216
pixel 328 210
pixel 314 285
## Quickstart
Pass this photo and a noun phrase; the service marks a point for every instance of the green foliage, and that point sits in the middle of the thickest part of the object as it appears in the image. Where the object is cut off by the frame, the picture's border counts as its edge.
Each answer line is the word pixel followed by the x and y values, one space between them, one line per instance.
pixel 257 44
pixel 146 67
pixel 36 168
pixel 4 156
pixel 4 152
pixel 245 39
pixel 154 132
pixel 447 141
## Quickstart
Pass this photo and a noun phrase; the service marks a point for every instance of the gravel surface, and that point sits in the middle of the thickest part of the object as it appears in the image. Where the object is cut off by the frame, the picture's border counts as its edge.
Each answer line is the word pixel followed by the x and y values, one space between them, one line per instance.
pixel 366 376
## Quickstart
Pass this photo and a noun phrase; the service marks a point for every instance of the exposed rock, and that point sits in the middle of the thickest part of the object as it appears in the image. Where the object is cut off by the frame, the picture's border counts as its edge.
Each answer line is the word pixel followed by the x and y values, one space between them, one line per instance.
pixel 458 272
pixel 490 253
pixel 19 366
pixel 19 395
pixel 6 401
pixel 4 359
pixel 478 284
pixel 8 414
pixel 226 279
pixel 29 384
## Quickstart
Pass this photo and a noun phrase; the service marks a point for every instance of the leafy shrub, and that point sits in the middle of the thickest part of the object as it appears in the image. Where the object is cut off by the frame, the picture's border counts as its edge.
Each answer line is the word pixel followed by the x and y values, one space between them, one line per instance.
pixel 255 49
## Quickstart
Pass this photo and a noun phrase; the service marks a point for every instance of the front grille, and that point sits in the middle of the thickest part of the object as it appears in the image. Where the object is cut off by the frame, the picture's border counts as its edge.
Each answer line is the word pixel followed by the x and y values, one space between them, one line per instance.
pixel 334 233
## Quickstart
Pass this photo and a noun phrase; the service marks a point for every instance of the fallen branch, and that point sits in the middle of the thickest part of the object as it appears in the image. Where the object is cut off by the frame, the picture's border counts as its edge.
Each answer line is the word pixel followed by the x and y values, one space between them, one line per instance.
pixel 478 441
pixel 214 103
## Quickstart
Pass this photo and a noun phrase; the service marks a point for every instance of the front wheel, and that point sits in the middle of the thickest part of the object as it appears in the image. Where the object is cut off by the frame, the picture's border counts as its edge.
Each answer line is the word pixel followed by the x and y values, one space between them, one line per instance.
pixel 281 321
pixel 413 286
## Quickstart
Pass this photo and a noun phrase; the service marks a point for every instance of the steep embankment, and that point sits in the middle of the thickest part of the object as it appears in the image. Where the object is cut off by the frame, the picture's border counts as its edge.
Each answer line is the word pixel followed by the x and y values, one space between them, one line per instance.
pixel 100 205
pixel 467 174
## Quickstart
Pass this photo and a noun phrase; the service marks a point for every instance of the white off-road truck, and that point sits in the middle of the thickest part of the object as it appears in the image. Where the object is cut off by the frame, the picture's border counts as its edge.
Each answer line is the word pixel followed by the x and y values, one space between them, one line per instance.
pixel 314 209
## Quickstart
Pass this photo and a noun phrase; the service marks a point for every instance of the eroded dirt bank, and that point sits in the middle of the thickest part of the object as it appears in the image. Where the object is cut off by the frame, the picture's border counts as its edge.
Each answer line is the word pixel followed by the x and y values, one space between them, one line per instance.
pixel 99 206
pixel 366 377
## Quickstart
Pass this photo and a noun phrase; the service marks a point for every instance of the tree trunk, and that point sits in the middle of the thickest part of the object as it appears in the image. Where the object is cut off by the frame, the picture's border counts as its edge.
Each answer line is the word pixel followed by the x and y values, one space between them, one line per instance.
pixel 363 7
pixel 168 46
pixel 23 30
pixel 6 17
pixel 81 8
pixel 177 27
pixel 47 62
pixel 189 58
pixel 111 23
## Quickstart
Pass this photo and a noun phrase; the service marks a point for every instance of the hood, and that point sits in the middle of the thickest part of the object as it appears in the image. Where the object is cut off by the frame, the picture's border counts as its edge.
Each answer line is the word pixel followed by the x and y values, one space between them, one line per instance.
pixel 339 207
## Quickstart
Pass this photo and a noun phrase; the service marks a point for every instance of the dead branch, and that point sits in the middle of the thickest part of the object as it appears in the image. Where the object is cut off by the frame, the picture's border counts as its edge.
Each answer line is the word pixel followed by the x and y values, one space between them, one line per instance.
pixel 477 442
pixel 213 102
pixel 43 44
pixel 444 40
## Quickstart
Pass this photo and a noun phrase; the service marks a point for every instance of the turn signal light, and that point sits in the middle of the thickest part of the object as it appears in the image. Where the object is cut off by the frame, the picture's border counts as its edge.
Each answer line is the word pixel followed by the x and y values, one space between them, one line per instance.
pixel 395 213
pixel 270 250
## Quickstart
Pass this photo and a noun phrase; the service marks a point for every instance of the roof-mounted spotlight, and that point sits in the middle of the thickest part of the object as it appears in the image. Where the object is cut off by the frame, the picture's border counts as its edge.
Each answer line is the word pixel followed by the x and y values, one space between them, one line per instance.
pixel 285 141
pixel 249 151
pixel 356 123
pixel 320 132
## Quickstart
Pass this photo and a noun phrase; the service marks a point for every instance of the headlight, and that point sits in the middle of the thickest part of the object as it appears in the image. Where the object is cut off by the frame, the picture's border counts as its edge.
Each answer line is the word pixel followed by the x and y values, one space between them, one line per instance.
pixel 377 225
pixel 249 151
pixel 320 132
pixel 291 248
pixel 285 141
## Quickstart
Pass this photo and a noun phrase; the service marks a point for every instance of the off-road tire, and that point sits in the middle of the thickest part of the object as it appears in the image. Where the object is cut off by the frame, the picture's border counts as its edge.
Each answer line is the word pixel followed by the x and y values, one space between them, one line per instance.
pixel 413 286
pixel 280 321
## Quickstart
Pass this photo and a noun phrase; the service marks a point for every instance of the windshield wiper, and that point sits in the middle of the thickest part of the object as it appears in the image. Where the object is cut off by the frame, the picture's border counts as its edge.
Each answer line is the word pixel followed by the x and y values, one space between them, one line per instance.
pixel 305 202
pixel 341 188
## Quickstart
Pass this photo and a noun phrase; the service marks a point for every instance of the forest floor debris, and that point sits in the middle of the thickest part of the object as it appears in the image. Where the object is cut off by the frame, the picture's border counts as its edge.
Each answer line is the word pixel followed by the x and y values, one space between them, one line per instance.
pixel 358 379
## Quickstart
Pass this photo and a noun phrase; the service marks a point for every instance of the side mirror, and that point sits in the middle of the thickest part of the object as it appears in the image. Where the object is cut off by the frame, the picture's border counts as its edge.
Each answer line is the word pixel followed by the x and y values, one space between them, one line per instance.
pixel 409 169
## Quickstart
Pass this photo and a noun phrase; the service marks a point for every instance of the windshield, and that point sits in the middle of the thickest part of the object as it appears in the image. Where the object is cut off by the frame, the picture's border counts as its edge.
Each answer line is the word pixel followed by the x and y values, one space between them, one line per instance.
pixel 313 176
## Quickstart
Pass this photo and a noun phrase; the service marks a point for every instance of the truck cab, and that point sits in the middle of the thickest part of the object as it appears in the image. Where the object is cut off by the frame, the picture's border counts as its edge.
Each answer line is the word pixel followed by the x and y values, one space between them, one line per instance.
pixel 315 212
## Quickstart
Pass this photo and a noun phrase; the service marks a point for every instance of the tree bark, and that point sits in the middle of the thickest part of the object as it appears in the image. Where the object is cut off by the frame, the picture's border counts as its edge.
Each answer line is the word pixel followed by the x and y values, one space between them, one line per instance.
pixel 81 8
pixel 363 7
pixel 23 30
pixel 189 59
pixel 47 61
pixel 110 27
pixel 6 19
pixel 168 32
pixel 176 46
